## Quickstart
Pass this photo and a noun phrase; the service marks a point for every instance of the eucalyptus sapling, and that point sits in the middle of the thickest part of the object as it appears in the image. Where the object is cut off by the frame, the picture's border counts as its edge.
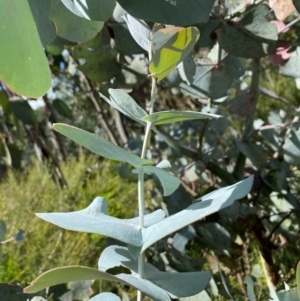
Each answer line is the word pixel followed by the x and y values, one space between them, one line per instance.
pixel 166 48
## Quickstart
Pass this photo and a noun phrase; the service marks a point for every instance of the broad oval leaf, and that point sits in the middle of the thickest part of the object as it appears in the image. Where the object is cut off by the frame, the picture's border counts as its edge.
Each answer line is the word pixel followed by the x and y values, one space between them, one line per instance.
pixel 24 69
pixel 67 274
pixel 41 13
pixel 72 27
pixel 209 204
pixel 105 297
pixel 99 145
pixel 139 30
pixel 176 116
pixel 175 12
pixel 173 52
pixel 100 10
pixel 177 285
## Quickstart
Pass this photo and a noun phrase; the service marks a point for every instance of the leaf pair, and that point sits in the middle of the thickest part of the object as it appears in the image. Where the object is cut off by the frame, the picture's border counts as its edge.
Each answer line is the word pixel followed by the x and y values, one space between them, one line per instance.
pixel 169 45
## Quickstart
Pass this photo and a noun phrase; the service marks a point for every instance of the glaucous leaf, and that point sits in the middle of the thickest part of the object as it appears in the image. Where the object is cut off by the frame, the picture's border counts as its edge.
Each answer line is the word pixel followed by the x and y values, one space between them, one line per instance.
pixel 125 104
pixel 173 51
pixel 250 288
pixel 207 205
pixel 165 117
pixel 67 274
pixel 72 27
pixel 175 12
pixel 139 30
pixel 94 219
pixel 252 37
pixel 25 69
pixel 291 148
pixel 177 285
pixel 100 10
pixel 291 67
pixel 209 82
pixel 105 297
pixel 41 13
pixel 100 146
pixel 169 183
pixel 187 69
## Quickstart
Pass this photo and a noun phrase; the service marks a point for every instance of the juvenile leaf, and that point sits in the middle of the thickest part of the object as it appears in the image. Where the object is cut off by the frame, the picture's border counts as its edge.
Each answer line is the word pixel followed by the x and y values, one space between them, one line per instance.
pixel 291 148
pixel 209 82
pixel 250 288
pixel 209 204
pixel 99 145
pixel 175 12
pixel 24 69
pixel 72 27
pixel 173 51
pixel 292 67
pixel 100 10
pixel 67 274
pixel 176 116
pixel 125 104
pixel 106 297
pixel 139 30
pixel 168 182
pixel 94 219
pixel 252 37
pixel 41 13
pixel 187 69
pixel 177 285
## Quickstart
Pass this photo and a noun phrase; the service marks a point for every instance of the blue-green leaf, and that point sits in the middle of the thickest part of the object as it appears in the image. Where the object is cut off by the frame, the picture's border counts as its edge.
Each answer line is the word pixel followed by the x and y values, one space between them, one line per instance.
pixel 105 297
pixel 209 204
pixel 125 104
pixel 169 183
pixel 99 145
pixel 176 285
pixel 67 274
pixel 176 116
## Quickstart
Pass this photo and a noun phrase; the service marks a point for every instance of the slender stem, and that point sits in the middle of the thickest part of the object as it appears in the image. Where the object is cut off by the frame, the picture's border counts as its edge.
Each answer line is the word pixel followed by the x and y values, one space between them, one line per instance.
pixel 141 201
pixel 141 197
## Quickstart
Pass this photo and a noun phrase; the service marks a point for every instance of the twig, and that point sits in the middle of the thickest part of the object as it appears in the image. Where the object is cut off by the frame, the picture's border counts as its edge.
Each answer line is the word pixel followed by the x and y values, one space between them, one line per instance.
pixel 278 225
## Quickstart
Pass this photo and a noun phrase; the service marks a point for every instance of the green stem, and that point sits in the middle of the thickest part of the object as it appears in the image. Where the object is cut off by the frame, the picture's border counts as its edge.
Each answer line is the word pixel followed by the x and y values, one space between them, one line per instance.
pixel 141 201
pixel 248 127
pixel 141 197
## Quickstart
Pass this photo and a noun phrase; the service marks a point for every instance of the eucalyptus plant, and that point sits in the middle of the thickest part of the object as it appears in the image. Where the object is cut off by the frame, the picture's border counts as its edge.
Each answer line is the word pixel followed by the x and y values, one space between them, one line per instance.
pixel 167 47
